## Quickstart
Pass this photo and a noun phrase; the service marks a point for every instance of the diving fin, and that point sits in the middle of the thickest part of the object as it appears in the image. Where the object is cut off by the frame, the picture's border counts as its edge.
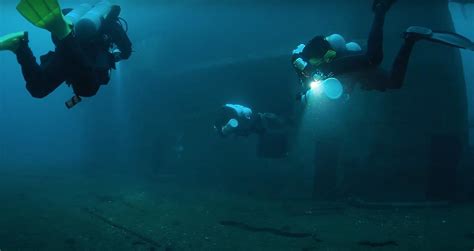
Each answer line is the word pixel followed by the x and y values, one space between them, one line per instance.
pixel 45 14
pixel 447 38
pixel 12 41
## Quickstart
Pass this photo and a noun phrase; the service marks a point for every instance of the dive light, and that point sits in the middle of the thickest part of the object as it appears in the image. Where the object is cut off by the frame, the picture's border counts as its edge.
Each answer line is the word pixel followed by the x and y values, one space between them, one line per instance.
pixel 73 102
pixel 231 125
pixel 330 86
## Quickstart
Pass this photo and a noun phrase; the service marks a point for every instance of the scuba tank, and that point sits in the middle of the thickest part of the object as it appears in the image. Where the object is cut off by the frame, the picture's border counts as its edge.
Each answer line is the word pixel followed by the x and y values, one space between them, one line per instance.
pixel 87 25
pixel 75 15
pixel 240 110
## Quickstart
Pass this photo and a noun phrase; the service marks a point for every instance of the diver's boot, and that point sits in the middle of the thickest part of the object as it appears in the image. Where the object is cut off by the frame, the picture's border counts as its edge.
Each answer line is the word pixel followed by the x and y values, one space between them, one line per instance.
pixel 45 14
pixel 384 4
pixel 12 41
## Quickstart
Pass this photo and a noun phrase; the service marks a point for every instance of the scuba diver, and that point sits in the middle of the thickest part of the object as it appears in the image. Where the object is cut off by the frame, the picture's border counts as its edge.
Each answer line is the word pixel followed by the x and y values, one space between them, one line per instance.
pixel 240 121
pixel 322 59
pixel 89 41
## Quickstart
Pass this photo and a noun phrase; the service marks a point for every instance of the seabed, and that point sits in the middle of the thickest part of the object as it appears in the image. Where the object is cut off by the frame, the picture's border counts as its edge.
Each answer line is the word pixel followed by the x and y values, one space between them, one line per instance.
pixel 83 211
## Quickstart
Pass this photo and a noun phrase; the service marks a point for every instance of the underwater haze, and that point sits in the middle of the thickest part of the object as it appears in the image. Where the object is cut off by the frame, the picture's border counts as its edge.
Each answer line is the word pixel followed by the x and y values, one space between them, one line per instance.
pixel 140 166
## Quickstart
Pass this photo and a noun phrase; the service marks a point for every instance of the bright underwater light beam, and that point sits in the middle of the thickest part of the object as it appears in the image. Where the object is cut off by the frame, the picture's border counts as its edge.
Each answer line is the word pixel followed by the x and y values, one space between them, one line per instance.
pixel 117 78
pixel 316 87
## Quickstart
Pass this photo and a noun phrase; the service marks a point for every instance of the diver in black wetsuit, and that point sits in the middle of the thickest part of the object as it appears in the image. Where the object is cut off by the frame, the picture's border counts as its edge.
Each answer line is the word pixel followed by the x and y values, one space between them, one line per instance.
pixel 84 53
pixel 325 57
pixel 272 131
pixel 239 120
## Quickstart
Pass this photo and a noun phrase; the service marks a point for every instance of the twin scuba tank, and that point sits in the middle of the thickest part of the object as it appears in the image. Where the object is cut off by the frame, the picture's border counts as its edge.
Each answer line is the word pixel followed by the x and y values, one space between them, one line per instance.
pixel 88 19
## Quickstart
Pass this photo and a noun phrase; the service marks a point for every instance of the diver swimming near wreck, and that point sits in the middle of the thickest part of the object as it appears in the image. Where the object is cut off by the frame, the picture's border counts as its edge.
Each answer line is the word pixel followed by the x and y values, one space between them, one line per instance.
pixel 323 59
pixel 89 41
pixel 235 120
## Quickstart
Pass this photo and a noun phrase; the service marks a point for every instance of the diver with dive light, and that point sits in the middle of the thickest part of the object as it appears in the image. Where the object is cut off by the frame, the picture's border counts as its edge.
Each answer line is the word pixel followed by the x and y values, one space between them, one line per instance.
pixel 240 121
pixel 89 41
pixel 323 60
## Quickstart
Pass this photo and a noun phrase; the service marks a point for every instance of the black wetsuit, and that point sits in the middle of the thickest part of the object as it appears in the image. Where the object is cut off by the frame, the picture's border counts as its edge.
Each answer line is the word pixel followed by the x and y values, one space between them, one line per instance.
pixel 246 127
pixel 83 66
pixel 370 60
pixel 256 123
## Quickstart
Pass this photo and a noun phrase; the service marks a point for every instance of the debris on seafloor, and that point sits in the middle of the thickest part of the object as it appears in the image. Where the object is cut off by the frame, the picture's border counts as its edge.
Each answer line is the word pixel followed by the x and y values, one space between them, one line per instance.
pixel 357 203
pixel 314 210
pixel 274 231
pixel 318 211
pixel 374 244
pixel 126 230
pixel 105 199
